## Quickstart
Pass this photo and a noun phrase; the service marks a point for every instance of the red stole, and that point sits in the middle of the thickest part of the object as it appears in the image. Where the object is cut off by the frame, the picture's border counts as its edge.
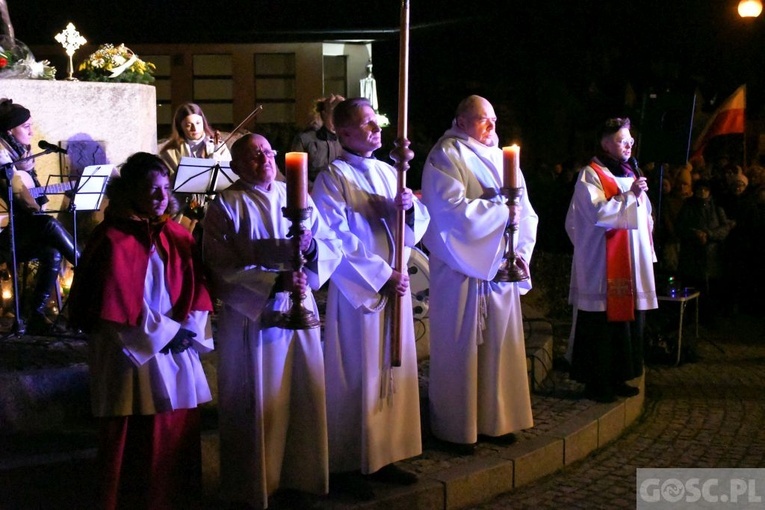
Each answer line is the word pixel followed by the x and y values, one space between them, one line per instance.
pixel 620 300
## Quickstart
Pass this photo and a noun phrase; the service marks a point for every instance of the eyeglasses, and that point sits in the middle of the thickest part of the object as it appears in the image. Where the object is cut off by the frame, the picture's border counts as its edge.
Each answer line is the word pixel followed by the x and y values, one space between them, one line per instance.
pixel 484 120
pixel 267 153
pixel 627 142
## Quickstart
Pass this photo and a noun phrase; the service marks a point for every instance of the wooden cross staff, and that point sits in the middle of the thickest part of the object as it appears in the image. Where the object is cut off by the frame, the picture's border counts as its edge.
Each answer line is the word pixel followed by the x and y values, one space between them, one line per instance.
pixel 401 155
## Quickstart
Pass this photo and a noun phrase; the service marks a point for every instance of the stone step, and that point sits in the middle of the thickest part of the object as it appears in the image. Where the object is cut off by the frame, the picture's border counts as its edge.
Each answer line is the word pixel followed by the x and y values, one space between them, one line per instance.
pixel 64 480
pixel 48 440
pixel 44 399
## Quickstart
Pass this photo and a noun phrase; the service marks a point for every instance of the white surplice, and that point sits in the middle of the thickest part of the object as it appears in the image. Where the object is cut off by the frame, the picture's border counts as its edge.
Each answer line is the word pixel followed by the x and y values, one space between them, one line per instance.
pixel 589 217
pixel 372 408
pixel 478 380
pixel 271 388
pixel 130 376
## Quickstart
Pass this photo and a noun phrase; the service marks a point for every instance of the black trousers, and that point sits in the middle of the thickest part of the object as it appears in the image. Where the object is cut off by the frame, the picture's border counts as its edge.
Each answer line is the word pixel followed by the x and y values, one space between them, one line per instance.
pixel 607 353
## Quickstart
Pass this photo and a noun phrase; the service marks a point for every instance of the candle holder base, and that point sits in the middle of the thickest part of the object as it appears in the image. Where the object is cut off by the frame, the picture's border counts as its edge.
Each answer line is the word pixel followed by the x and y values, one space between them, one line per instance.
pixel 298 319
pixel 510 273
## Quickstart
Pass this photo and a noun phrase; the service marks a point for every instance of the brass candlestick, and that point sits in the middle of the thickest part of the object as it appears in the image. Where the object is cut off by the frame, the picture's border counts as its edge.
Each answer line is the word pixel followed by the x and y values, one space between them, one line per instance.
pixel 298 316
pixel 509 271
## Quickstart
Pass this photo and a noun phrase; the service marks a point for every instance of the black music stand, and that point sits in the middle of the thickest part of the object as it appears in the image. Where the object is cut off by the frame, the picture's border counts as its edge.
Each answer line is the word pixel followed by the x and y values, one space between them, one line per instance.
pixel 88 193
pixel 200 175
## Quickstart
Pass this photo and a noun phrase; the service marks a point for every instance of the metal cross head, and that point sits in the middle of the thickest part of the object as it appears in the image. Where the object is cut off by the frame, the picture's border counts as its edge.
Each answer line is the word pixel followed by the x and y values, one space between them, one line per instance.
pixel 70 39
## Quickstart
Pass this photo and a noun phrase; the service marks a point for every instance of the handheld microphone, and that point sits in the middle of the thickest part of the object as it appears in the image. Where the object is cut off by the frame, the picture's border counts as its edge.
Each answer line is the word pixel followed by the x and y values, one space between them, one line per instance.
pixel 638 174
pixel 47 146
pixel 635 168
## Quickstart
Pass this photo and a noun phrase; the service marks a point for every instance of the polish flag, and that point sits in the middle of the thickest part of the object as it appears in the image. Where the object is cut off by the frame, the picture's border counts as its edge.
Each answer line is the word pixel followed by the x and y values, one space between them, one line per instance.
pixel 727 120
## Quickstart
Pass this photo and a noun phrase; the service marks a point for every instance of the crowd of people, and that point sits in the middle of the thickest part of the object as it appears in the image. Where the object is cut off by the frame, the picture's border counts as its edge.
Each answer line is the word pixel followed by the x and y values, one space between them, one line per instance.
pixel 711 238
pixel 302 409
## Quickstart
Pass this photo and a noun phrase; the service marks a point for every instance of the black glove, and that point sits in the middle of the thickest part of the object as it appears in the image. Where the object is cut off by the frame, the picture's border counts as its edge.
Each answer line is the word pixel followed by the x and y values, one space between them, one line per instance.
pixel 180 342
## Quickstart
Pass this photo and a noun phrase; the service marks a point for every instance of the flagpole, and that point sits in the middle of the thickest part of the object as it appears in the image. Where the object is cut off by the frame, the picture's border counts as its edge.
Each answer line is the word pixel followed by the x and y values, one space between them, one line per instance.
pixel 401 155
pixel 744 163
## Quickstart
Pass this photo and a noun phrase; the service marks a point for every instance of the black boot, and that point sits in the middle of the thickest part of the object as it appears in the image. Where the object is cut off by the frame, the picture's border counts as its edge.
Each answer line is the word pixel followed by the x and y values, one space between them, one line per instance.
pixel 58 237
pixel 39 324
pixel 47 276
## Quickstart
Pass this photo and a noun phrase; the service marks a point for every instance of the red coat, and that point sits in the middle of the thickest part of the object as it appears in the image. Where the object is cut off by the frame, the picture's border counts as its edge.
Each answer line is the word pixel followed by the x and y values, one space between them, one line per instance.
pixel 109 279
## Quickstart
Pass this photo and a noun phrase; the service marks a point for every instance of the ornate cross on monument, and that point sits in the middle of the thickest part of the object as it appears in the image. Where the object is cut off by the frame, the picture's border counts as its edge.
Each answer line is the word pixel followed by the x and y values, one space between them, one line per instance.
pixel 70 39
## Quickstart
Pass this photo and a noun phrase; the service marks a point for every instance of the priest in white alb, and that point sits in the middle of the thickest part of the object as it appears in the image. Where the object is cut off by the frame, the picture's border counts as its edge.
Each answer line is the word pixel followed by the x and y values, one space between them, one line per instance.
pixel 373 408
pixel 478 382
pixel 610 224
pixel 272 409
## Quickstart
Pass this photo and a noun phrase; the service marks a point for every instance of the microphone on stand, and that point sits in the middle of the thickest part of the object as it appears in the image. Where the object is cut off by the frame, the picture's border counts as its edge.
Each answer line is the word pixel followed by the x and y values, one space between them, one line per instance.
pixel 47 146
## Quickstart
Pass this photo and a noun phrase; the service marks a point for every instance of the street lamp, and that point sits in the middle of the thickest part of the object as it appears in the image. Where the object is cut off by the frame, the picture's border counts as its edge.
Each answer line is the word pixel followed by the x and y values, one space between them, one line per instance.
pixel 749 8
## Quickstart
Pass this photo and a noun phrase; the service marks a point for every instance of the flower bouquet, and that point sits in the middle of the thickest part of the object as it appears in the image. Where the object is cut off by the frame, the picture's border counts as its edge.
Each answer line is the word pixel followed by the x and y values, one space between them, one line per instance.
pixel 17 61
pixel 116 64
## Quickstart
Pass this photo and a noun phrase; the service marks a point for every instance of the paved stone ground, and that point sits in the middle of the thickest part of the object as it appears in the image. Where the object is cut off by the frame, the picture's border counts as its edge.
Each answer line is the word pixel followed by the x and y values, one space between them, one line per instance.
pixel 702 415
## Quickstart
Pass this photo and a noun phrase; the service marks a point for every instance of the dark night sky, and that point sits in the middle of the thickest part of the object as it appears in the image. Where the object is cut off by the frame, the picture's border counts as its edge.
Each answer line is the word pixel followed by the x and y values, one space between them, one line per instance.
pixel 551 67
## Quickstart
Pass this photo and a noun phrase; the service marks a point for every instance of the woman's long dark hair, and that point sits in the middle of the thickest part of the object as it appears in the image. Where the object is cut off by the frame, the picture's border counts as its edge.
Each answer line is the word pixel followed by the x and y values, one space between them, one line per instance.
pixel 177 137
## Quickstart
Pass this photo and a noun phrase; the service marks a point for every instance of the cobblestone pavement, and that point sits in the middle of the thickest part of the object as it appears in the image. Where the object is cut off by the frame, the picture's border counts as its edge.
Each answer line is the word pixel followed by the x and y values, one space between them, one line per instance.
pixel 702 415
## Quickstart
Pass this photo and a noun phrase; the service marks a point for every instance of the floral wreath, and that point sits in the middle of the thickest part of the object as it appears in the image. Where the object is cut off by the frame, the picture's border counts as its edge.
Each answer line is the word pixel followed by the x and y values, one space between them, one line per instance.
pixel 17 61
pixel 111 63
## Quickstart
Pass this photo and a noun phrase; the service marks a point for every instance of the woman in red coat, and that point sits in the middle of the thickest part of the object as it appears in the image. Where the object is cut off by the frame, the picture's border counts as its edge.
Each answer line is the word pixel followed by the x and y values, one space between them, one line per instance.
pixel 140 296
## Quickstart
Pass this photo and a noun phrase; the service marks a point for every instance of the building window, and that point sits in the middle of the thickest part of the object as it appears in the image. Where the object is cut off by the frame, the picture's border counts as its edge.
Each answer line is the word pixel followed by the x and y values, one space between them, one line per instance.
pixel 336 75
pixel 275 86
pixel 214 89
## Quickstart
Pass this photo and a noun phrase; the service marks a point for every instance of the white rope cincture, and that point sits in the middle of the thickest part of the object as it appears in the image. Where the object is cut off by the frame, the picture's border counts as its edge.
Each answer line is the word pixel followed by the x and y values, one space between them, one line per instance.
pixel 387 383
pixel 483 308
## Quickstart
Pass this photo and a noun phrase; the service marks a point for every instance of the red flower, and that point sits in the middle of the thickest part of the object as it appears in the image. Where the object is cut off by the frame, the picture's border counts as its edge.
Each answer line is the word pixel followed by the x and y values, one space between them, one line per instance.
pixel 3 62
